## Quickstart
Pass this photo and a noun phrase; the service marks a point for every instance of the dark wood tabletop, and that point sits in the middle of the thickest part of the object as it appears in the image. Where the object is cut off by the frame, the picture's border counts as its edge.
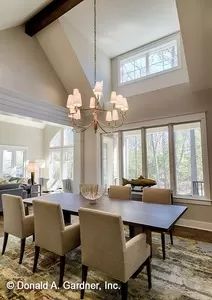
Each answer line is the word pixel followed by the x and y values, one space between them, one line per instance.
pixel 152 216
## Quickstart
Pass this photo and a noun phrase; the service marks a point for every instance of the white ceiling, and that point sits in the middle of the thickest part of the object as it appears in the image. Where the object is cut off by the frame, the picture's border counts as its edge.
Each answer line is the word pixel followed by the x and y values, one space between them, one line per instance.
pixel 16 12
pixel 122 24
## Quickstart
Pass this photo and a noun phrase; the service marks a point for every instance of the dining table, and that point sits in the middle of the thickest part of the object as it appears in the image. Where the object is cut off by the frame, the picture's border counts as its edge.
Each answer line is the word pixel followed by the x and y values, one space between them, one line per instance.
pixel 137 214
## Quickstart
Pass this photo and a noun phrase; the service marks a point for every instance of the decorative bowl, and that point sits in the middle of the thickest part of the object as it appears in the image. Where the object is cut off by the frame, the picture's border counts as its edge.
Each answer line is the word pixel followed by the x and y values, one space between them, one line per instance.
pixel 92 192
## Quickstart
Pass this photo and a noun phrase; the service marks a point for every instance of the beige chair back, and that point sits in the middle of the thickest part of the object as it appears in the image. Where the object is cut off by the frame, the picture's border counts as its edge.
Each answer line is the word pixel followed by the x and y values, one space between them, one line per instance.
pixel 102 233
pixel 119 192
pixel 160 196
pixel 13 210
pixel 49 224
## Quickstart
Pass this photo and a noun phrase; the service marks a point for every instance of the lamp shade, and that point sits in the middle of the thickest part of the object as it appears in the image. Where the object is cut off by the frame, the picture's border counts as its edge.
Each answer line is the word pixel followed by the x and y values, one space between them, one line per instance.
pixel 113 98
pixel 92 102
pixel 32 166
pixel 77 115
pixel 70 101
pixel 125 105
pixel 109 116
pixel 115 115
pixel 119 103
pixel 98 89
pixel 78 100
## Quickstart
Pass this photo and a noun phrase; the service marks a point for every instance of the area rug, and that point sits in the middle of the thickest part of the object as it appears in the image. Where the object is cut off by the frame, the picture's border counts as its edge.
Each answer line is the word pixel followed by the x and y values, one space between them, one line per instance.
pixel 185 274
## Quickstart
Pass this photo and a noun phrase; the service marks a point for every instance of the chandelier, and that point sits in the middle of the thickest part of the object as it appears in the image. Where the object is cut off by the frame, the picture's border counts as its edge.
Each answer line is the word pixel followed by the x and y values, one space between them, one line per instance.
pixel 101 118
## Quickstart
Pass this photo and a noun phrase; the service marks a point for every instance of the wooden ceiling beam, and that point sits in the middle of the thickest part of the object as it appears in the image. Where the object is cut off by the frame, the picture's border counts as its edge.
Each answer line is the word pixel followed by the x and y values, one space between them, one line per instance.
pixel 49 14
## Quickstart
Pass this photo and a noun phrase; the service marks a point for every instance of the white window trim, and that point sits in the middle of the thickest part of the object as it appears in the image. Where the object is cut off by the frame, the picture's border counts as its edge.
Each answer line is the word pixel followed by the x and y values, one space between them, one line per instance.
pixel 12 148
pixel 145 49
pixel 199 117
pixel 62 148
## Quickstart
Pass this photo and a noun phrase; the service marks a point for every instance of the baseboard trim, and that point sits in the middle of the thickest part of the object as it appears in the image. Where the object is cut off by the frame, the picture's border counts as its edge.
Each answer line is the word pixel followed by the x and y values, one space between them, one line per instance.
pixel 195 224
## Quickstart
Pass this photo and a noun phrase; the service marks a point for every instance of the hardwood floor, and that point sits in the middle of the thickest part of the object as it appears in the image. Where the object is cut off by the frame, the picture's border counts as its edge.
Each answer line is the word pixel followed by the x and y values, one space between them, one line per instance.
pixel 190 233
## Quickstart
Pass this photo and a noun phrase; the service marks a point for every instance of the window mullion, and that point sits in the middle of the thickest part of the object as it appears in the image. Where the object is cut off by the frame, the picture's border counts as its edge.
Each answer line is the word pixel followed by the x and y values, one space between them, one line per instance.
pixel 121 160
pixel 147 64
pixel 172 160
pixel 205 163
pixel 1 163
pixel 144 152
pixel 13 158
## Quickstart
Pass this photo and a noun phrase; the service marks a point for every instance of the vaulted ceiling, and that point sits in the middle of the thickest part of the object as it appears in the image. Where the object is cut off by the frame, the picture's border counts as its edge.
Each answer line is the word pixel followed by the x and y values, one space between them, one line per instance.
pixel 123 25
pixel 16 12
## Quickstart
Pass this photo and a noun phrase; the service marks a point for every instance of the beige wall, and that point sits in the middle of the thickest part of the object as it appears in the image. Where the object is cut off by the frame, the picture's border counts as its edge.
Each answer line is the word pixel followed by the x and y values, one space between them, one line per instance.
pixel 196 29
pixel 64 60
pixel 18 135
pixel 85 56
pixel 24 68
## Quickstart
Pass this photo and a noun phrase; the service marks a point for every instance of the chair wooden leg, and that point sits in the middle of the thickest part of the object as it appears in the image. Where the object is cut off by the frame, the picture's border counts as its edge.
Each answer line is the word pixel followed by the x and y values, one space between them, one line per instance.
pixel 148 268
pixel 33 237
pixel 22 250
pixel 36 256
pixel 5 242
pixel 163 244
pixel 124 290
pixel 131 231
pixel 62 269
pixel 84 278
pixel 171 237
pixel 67 217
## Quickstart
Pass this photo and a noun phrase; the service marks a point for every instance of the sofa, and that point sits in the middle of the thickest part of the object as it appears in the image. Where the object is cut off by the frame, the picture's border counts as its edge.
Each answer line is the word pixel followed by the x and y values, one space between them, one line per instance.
pixel 12 189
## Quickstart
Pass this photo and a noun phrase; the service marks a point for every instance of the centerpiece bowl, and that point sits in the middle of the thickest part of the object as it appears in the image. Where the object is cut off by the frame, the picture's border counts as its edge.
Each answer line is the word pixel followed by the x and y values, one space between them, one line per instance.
pixel 92 192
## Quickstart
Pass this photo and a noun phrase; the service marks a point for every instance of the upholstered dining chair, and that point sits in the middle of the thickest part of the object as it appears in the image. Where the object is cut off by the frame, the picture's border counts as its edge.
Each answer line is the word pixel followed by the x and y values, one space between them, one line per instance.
pixel 112 254
pixel 67 185
pixel 51 233
pixel 15 221
pixel 119 192
pixel 159 196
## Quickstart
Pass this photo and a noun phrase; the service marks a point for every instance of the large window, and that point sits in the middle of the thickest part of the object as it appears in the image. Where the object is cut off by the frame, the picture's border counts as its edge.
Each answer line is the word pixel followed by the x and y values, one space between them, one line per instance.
pixel 171 154
pixel 132 153
pixel 61 154
pixel 157 142
pixel 110 159
pixel 12 161
pixel 149 61
pixel 188 159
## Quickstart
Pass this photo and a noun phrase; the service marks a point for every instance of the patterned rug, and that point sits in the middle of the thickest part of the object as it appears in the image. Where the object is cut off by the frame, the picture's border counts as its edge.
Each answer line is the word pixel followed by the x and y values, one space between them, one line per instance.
pixel 185 274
